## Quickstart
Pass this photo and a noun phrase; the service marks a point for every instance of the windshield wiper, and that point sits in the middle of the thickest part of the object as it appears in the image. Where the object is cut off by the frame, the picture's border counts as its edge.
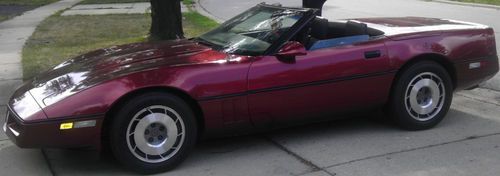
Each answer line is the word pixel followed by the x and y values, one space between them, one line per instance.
pixel 253 31
pixel 205 42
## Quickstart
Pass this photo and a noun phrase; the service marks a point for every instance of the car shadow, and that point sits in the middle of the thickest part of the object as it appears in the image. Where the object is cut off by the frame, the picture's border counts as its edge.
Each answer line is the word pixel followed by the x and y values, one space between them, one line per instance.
pixel 327 143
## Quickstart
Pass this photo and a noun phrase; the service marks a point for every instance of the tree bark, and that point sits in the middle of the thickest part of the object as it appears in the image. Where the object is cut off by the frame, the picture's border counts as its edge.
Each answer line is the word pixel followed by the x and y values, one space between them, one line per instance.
pixel 166 20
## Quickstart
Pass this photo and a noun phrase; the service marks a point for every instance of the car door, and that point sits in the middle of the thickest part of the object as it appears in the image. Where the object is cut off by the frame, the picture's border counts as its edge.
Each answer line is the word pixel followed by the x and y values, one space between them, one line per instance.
pixel 319 84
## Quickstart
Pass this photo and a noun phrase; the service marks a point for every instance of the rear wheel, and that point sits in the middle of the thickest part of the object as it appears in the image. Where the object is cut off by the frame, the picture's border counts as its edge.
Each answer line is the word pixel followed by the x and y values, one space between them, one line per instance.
pixel 153 132
pixel 422 96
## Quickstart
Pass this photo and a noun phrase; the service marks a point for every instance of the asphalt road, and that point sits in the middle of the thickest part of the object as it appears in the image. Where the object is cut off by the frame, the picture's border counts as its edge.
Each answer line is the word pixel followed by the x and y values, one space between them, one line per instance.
pixel 344 9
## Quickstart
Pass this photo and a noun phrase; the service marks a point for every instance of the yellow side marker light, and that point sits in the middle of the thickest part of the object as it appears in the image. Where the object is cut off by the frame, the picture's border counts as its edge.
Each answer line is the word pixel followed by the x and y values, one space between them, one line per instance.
pixel 66 126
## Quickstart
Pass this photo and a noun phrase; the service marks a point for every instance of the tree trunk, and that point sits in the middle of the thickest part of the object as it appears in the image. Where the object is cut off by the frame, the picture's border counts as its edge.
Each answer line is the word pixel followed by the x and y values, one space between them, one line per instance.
pixel 166 20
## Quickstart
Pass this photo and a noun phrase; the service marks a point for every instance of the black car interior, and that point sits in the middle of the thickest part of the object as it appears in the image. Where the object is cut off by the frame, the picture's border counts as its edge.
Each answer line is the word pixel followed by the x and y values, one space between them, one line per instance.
pixel 322 29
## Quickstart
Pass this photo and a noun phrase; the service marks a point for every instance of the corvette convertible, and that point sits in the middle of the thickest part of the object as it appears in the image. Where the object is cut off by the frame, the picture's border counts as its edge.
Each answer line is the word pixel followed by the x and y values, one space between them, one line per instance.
pixel 266 68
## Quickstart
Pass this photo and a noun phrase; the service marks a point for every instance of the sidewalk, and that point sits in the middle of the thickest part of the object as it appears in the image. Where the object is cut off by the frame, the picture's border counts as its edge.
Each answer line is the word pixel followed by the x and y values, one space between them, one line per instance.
pixel 469 4
pixel 115 8
pixel 13 35
pixel 355 146
pixel 15 32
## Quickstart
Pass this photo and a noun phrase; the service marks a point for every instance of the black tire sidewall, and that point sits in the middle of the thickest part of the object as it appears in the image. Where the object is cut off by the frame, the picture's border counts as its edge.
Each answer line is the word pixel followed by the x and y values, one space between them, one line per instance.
pixel 121 121
pixel 398 108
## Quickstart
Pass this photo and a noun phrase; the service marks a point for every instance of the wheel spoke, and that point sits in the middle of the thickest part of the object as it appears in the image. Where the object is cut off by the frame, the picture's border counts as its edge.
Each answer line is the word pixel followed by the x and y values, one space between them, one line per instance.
pixel 150 111
pixel 155 133
pixel 424 95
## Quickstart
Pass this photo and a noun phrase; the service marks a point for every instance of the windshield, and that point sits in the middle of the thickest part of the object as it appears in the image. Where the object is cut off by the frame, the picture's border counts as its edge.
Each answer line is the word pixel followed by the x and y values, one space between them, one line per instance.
pixel 253 31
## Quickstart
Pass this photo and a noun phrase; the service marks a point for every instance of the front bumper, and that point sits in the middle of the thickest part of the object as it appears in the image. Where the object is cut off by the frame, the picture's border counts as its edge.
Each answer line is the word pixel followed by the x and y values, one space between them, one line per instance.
pixel 47 134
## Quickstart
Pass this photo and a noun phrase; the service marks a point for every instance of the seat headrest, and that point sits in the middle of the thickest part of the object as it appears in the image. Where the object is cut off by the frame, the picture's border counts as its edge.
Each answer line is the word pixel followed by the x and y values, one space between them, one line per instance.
pixel 355 28
pixel 319 28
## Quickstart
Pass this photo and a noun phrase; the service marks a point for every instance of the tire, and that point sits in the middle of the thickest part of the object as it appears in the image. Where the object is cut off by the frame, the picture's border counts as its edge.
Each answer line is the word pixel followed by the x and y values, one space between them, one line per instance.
pixel 153 132
pixel 421 96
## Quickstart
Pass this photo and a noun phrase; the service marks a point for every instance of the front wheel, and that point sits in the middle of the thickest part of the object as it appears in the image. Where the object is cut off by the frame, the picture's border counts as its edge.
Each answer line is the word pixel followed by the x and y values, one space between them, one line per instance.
pixel 153 132
pixel 422 96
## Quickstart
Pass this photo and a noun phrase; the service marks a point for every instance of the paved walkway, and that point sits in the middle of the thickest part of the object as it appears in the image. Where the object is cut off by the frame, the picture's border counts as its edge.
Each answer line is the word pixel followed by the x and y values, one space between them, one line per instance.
pixel 117 8
pixel 13 35
pixel 342 9
pixel 465 143
pixel 15 32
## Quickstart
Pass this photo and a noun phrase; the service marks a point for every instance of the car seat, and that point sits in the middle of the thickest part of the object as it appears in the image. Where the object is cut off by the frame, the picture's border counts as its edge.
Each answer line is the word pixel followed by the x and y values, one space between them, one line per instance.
pixel 353 28
pixel 319 31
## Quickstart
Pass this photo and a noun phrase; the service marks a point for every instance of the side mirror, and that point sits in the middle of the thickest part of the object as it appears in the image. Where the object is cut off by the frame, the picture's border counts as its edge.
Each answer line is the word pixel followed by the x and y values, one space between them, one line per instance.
pixel 292 49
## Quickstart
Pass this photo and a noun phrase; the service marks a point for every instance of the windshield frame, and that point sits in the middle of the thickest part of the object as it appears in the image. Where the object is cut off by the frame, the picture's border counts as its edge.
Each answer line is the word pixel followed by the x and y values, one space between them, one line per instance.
pixel 307 15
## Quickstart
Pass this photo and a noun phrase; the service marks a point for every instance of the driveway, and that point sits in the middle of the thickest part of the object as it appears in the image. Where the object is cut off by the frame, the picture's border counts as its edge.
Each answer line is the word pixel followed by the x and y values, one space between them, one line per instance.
pixel 466 143
pixel 342 9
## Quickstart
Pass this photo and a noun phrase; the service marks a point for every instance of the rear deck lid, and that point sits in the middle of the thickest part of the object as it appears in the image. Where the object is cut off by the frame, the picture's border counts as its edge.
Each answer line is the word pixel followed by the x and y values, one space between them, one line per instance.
pixel 420 26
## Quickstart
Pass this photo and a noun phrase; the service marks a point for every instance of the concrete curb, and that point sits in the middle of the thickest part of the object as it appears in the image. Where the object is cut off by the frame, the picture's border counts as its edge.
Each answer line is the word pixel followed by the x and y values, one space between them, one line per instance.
pixel 200 9
pixel 468 4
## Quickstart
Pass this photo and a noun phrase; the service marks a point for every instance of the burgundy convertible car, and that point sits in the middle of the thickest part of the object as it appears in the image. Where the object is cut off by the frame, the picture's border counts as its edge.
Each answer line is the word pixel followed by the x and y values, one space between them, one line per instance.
pixel 266 68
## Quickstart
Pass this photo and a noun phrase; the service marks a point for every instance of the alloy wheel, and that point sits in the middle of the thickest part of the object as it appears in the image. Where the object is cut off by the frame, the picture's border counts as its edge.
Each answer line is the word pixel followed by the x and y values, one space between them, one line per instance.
pixel 424 96
pixel 155 134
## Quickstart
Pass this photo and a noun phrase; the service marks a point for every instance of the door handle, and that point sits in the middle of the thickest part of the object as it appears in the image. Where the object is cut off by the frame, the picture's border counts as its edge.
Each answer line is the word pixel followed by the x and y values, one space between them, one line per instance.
pixel 372 54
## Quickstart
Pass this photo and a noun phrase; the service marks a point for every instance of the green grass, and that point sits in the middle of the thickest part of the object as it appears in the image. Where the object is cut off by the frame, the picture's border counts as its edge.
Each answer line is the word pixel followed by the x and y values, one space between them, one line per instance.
pixel 3 17
pixel 58 38
pixel 26 2
pixel 493 2
pixel 196 24
pixel 110 1
pixel 185 2
pixel 188 2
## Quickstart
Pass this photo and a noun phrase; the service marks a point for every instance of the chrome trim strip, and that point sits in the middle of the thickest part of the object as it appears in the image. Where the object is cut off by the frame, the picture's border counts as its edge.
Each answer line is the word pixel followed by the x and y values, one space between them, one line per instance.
pixel 14 132
pixel 6 120
pixel 474 65
pixel 83 124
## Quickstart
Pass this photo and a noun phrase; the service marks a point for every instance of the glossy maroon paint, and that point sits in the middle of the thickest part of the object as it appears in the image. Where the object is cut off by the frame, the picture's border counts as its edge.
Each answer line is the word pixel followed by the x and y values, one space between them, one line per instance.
pixel 244 93
pixel 328 67
pixel 291 49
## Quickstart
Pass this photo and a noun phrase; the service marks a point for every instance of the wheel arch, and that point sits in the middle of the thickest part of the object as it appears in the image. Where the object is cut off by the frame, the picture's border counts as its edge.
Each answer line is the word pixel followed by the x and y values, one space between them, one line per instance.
pixel 109 115
pixel 438 58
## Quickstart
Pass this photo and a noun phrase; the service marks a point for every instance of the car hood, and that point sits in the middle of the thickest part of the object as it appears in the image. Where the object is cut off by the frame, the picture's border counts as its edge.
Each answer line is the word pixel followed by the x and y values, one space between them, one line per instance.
pixel 416 25
pixel 105 64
